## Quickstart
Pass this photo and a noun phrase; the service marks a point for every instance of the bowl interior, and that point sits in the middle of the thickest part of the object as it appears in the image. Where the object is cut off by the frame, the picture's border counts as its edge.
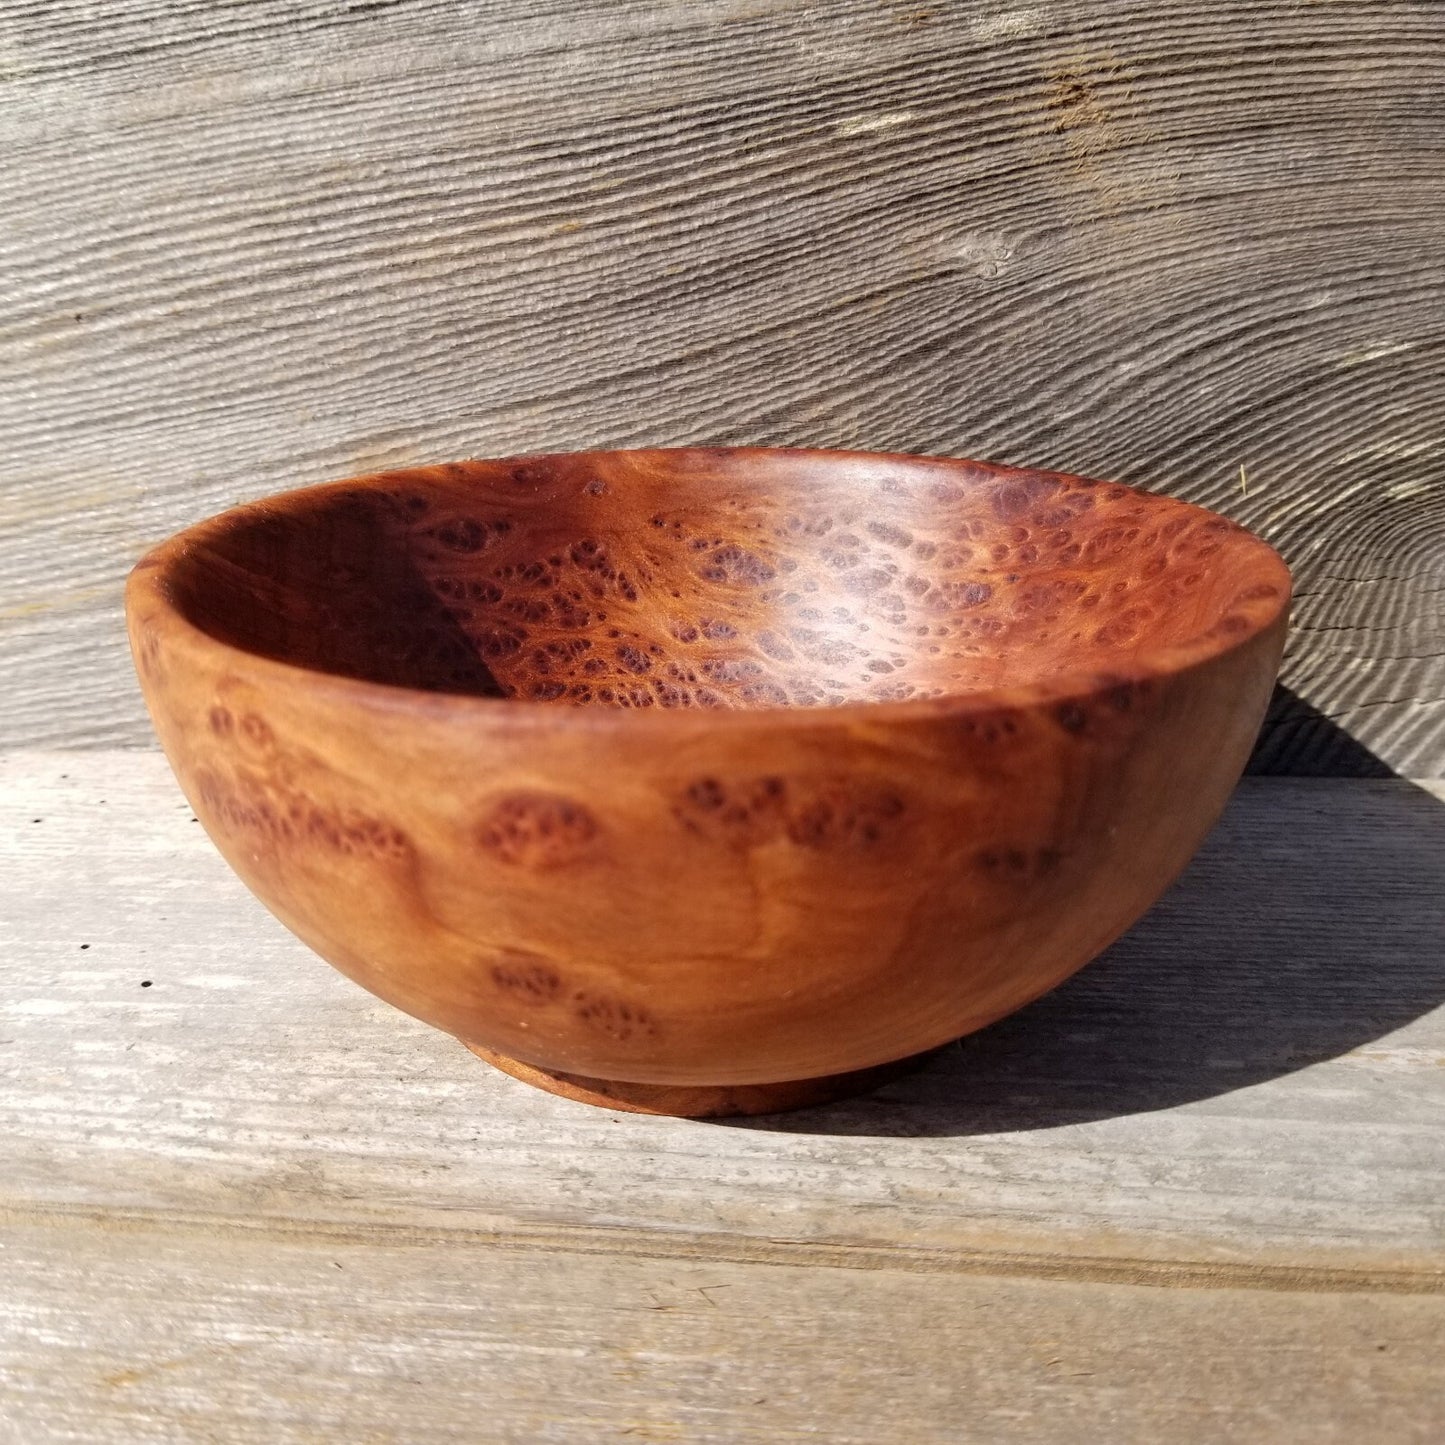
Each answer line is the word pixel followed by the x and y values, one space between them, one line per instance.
pixel 720 578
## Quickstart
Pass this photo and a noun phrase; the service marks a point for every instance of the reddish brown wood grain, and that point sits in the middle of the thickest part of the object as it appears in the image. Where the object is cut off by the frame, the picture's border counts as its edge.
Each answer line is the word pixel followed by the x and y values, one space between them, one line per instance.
pixel 863 752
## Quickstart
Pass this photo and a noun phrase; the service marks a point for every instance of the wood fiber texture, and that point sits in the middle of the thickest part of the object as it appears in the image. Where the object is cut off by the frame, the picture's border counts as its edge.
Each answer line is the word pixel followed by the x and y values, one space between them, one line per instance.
pixel 1199 249
pixel 1193 1194
pixel 302 1338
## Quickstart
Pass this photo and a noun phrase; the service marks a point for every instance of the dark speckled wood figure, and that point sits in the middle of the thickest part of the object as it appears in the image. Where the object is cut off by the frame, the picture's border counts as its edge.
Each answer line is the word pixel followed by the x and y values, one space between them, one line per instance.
pixel 709 781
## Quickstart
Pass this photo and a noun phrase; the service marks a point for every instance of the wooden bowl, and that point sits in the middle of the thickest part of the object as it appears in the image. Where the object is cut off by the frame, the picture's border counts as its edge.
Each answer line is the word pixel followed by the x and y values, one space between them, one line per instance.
pixel 709 781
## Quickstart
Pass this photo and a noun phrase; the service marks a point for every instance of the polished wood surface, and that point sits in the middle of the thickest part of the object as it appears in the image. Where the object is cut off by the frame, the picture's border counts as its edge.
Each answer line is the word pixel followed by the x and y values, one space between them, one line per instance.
pixel 863 752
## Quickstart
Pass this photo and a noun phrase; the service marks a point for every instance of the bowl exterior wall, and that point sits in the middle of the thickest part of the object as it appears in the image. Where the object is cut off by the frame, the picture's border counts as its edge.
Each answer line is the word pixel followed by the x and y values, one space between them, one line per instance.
pixel 684 898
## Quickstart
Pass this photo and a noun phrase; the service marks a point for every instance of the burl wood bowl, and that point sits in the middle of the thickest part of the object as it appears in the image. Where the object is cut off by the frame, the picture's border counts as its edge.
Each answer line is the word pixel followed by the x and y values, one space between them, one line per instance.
pixel 710 781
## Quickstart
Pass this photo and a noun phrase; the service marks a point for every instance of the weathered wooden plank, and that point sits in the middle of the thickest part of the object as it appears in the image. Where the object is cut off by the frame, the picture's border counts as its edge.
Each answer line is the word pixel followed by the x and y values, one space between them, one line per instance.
pixel 144 1333
pixel 242 1201
pixel 252 246
pixel 1247 1090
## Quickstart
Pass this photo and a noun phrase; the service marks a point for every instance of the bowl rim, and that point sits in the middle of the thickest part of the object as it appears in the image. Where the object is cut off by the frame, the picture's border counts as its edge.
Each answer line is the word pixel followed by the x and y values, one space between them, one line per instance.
pixel 148 602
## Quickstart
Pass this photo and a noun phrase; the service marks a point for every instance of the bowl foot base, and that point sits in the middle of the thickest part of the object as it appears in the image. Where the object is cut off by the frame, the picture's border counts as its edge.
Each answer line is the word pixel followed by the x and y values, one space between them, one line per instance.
pixel 701 1101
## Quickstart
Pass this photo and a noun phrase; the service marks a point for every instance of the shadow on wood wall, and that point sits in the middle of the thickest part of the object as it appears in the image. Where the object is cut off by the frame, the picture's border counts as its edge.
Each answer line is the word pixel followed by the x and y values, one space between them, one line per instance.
pixel 1298 740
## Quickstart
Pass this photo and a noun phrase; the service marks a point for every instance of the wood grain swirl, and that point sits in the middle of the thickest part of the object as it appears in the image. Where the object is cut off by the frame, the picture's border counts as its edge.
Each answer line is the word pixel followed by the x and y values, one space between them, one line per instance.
pixel 261 246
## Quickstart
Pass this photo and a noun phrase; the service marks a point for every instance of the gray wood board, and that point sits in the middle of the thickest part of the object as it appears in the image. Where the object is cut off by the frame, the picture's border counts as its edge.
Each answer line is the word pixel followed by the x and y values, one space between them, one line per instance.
pixel 139 1334
pixel 247 247
pixel 1195 1193
pixel 1252 1078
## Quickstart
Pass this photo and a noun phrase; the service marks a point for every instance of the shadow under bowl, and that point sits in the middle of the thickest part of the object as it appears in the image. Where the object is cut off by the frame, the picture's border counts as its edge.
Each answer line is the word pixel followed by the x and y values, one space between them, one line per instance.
pixel 709 781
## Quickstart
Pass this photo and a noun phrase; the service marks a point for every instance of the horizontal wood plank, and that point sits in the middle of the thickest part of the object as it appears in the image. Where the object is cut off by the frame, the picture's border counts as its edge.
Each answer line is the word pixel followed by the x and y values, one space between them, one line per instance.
pixel 152 1334
pixel 1251 1079
pixel 1195 1193
pixel 247 247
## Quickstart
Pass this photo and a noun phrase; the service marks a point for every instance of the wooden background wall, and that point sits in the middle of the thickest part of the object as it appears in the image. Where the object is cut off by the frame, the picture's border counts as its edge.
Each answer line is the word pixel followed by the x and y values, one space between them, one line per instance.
pixel 248 246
